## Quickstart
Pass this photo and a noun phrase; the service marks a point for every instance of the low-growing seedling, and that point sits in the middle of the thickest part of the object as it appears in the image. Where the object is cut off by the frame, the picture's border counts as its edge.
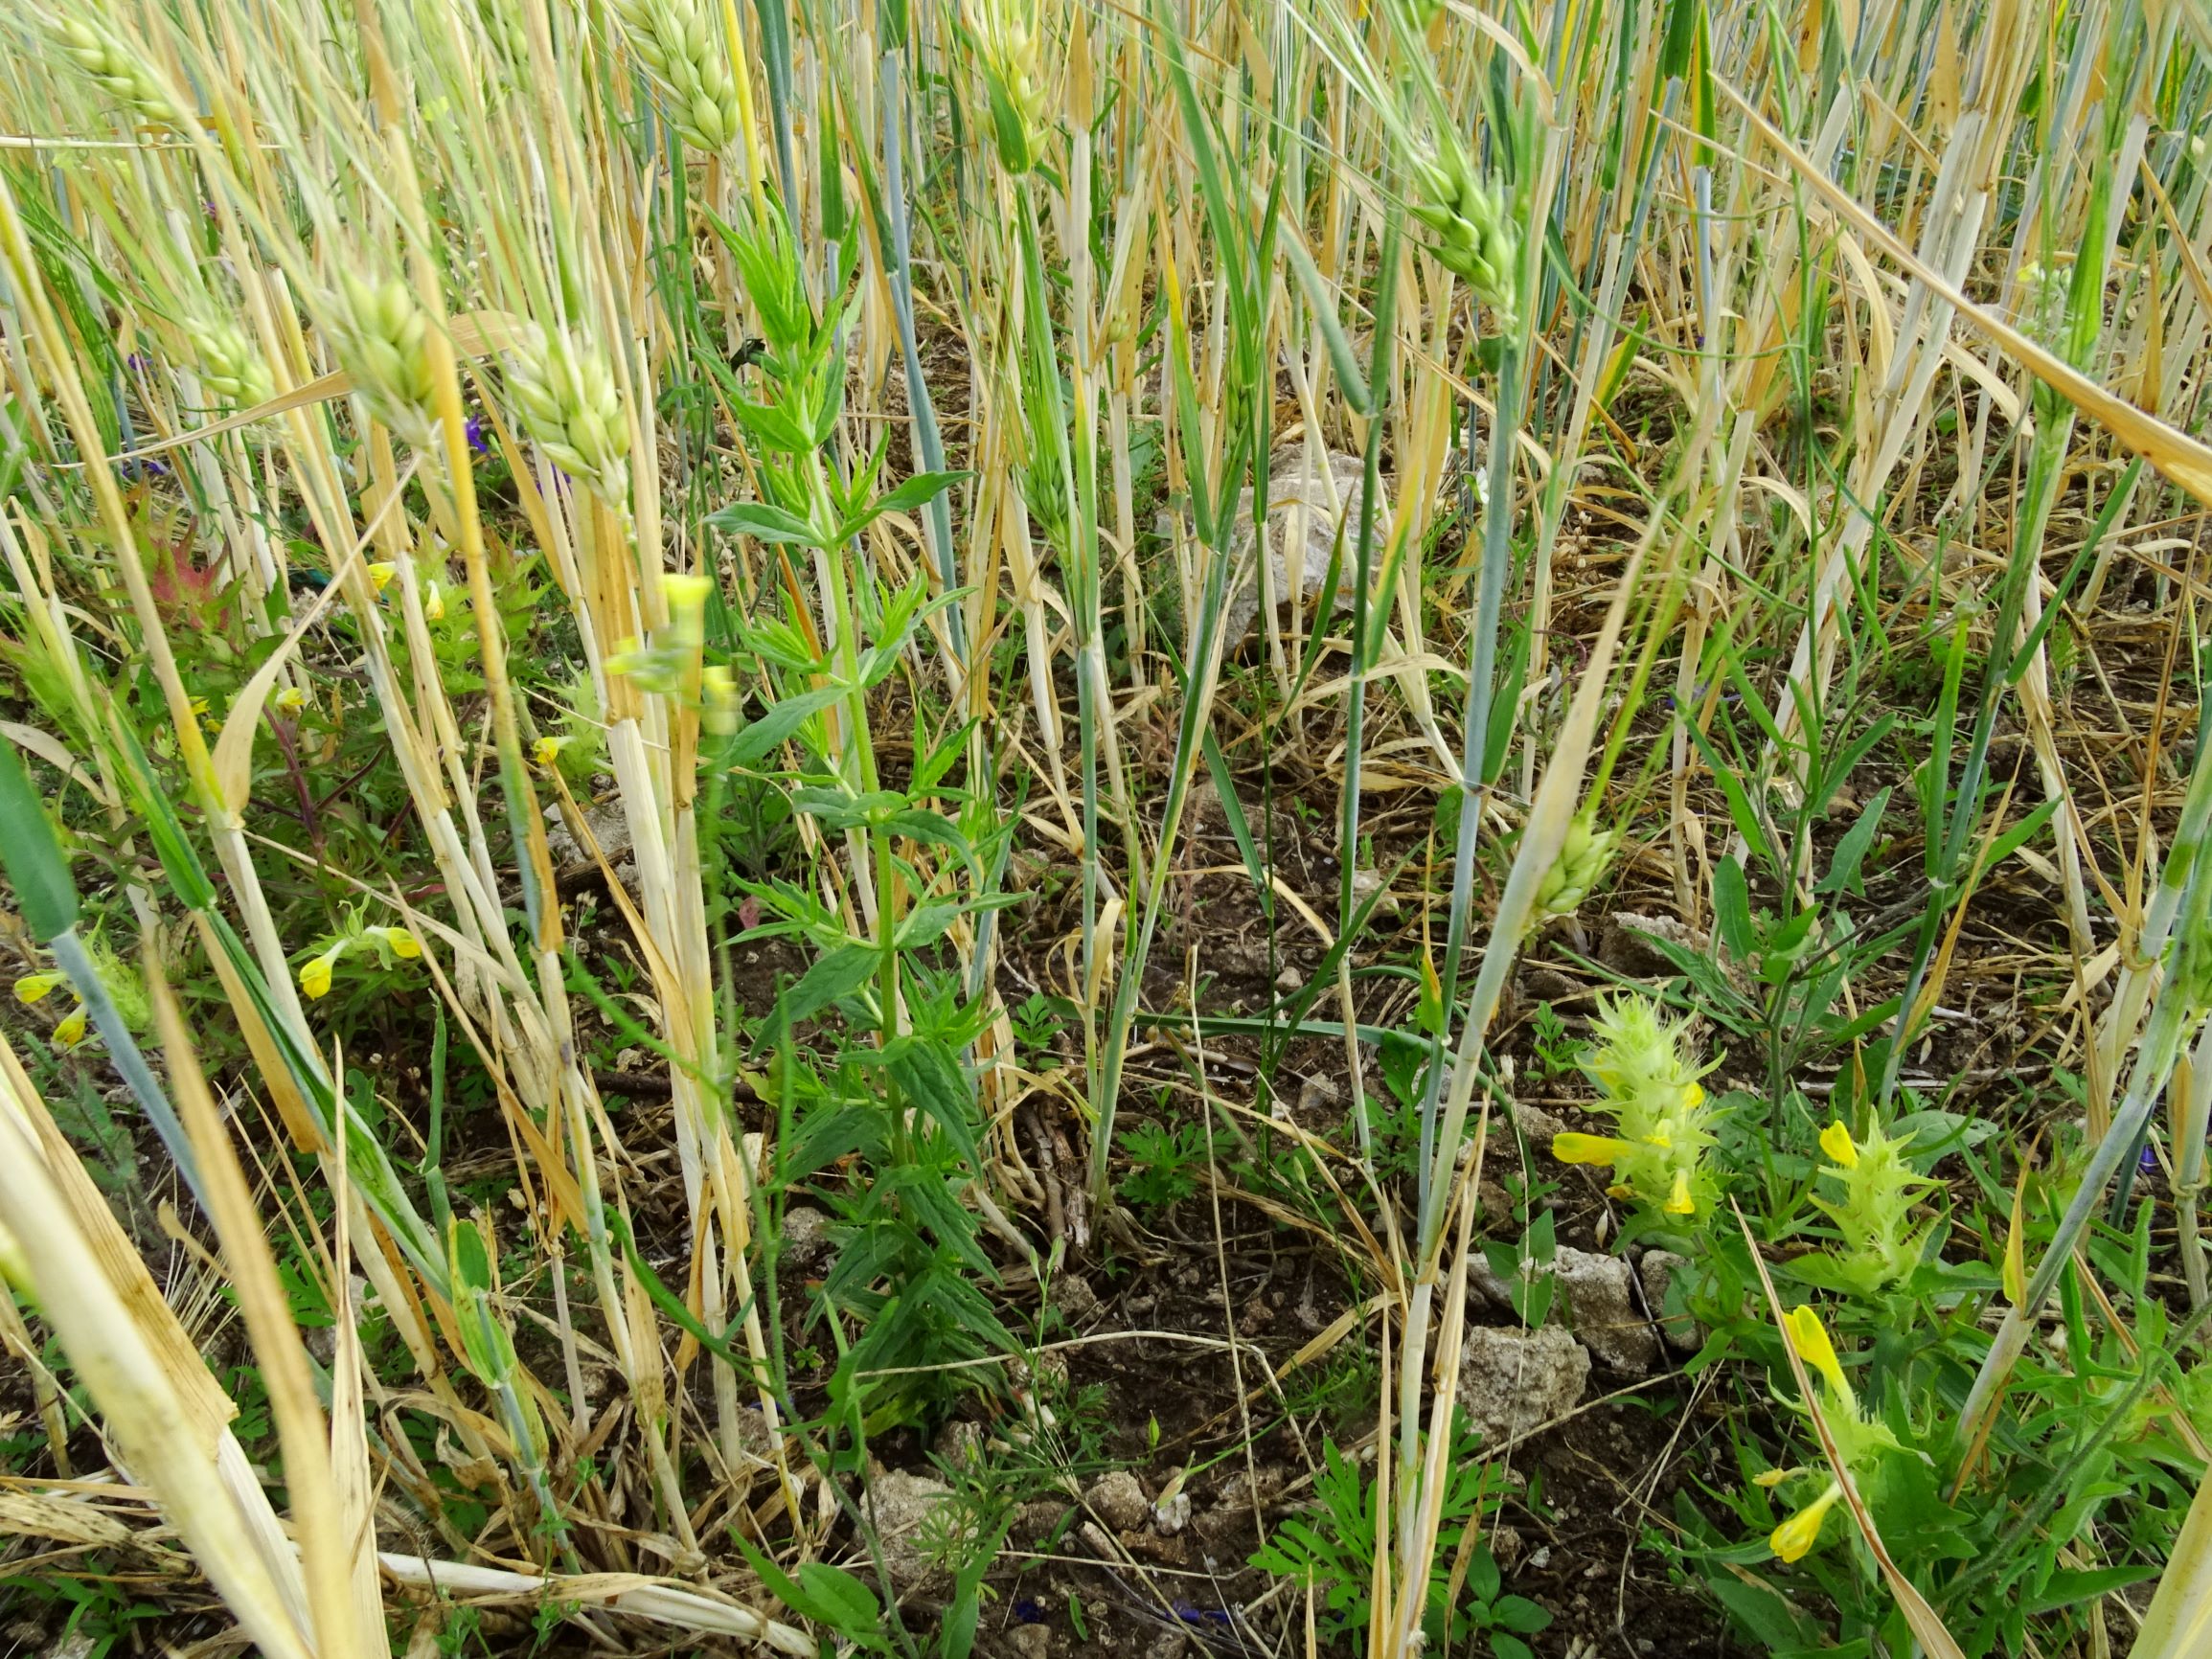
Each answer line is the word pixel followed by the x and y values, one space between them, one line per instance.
pixel 1331 1550
pixel 1161 1157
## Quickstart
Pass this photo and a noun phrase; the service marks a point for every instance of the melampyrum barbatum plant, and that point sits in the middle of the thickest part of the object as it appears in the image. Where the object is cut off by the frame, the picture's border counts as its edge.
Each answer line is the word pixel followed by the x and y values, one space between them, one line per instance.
pixel 1649 1087
pixel 1875 1212
pixel 1863 1443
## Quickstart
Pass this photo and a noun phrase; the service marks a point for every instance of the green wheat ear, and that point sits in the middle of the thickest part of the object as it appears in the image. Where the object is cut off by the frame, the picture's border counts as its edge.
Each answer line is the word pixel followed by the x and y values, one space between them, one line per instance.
pixel 1475 236
pixel 680 43
pixel 570 407
pixel 383 338
pixel 103 56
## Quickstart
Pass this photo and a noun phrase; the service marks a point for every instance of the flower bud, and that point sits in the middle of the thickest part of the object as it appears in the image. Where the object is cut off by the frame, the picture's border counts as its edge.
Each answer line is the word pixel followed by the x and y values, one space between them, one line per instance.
pixel 71 1031
pixel 1795 1537
pixel 37 986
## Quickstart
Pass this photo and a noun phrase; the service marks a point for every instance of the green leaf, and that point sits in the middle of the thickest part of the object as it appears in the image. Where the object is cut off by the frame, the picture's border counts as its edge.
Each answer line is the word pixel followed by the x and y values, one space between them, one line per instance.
pixel 1732 910
pixel 807 1601
pixel 837 973
pixel 772 426
pixel 925 924
pixel 1233 809
pixel 919 491
pixel 933 830
pixel 839 810
pixel 471 1264
pixel 31 852
pixel 1321 300
pixel 1520 1613
pixel 928 1076
pixel 1761 1609
pixel 1851 850
pixel 764 523
pixel 781 723
pixel 956 1634
pixel 852 1607
pixel 2015 838
pixel 1740 808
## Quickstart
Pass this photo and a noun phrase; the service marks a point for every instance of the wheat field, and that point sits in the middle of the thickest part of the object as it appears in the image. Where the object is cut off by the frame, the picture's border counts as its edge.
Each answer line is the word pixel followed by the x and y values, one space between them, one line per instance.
pixel 1018 828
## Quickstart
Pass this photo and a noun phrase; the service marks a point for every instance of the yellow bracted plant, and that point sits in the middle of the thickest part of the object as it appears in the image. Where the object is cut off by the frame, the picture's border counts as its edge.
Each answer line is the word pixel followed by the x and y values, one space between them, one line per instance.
pixel 1665 1121
pixel 1874 1216
pixel 1860 1441
pixel 392 946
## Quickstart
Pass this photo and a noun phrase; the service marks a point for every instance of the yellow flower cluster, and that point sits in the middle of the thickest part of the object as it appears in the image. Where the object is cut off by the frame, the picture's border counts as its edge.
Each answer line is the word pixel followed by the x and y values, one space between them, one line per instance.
pixel 1664 1118
pixel 34 988
pixel 1874 1217
pixel 390 944
pixel 1859 1441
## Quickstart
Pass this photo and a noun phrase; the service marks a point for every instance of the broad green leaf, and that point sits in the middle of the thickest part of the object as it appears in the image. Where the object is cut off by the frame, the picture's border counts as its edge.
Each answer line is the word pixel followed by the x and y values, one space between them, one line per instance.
pixel 764 523
pixel 781 723
pixel 928 1076
pixel 838 973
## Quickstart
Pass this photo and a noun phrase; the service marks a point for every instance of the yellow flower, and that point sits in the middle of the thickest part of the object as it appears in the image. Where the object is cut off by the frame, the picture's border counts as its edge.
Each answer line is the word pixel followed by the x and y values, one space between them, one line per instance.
pixel 315 971
pixel 34 986
pixel 1574 1148
pixel 1692 1096
pixel 433 601
pixel 405 945
pixel 1772 1478
pixel 547 750
pixel 291 698
pixel 1810 1338
pixel 685 593
pixel 718 699
pixel 1797 1534
pixel 1835 1141
pixel 382 572
pixel 1679 1201
pixel 71 1031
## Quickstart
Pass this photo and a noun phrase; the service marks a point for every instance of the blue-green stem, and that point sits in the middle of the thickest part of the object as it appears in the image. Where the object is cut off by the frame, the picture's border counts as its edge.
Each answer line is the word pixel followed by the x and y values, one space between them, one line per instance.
pixel 124 1052
pixel 1378 377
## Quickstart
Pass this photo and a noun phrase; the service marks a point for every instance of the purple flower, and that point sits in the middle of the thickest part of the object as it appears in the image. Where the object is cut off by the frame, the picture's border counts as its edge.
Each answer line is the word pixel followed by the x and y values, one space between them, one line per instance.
pixel 2149 1162
pixel 477 440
